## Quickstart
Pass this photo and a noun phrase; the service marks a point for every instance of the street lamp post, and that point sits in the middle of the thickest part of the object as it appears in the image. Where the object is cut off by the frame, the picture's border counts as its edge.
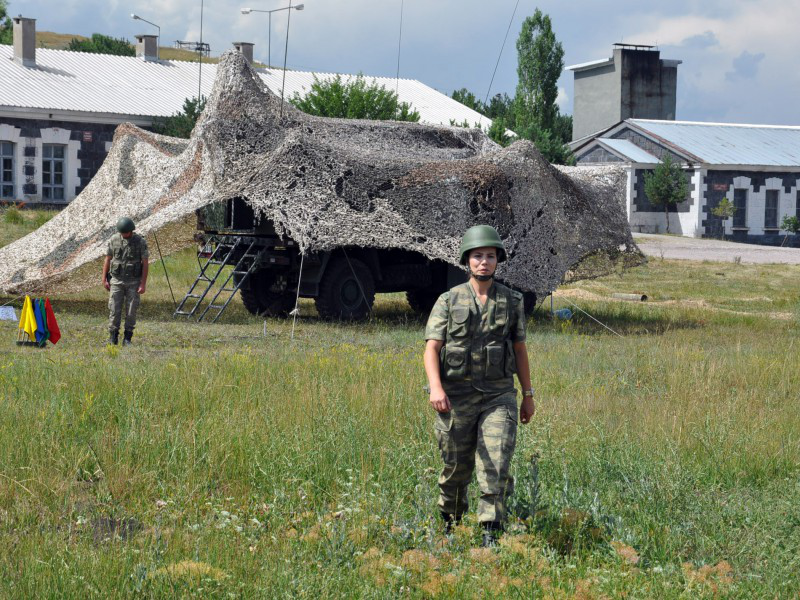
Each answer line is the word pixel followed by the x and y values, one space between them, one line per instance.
pixel 158 44
pixel 247 11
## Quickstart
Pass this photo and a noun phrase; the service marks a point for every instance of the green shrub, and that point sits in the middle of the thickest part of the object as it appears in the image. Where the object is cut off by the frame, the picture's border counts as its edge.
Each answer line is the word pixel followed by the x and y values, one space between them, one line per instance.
pixel 13 216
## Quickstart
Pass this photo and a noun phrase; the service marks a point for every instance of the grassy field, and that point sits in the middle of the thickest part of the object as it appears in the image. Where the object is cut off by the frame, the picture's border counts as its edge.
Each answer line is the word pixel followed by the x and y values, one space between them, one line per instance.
pixel 219 461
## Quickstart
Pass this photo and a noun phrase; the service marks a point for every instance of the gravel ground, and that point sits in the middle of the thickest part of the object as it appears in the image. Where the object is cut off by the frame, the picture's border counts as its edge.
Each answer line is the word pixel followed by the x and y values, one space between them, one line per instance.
pixel 684 248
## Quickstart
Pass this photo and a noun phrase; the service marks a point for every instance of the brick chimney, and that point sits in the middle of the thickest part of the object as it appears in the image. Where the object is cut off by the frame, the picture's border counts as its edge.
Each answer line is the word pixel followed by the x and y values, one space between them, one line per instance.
pixel 245 48
pixel 147 46
pixel 25 41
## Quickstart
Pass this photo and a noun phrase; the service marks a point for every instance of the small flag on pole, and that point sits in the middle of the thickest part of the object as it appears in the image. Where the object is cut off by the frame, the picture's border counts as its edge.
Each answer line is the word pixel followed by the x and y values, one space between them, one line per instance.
pixel 27 322
pixel 52 324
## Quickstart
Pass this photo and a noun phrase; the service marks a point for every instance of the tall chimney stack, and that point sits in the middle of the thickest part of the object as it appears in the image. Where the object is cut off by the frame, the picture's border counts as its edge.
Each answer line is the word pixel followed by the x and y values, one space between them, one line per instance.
pixel 25 41
pixel 245 48
pixel 147 46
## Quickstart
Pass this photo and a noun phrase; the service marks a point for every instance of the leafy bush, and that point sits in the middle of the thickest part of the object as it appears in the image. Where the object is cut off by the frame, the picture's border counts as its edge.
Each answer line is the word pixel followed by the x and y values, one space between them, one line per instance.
pixel 181 123
pixel 353 100
pixel 103 44
pixel 13 216
pixel 790 224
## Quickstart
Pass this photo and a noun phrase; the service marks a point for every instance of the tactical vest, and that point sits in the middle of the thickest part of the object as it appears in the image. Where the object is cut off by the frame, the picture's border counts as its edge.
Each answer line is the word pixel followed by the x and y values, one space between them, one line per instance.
pixel 476 352
pixel 126 257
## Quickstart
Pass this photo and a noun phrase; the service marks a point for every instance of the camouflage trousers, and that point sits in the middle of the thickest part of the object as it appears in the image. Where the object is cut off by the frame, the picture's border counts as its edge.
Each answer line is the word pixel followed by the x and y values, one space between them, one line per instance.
pixel 480 429
pixel 123 295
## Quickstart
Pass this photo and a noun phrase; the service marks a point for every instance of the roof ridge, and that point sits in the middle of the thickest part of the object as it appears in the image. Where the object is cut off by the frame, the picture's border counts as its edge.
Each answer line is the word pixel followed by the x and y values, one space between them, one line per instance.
pixel 715 124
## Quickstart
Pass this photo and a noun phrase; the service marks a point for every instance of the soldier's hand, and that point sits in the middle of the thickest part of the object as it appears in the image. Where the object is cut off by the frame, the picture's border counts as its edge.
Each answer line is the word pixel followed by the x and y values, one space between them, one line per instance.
pixel 106 284
pixel 440 401
pixel 141 289
pixel 527 409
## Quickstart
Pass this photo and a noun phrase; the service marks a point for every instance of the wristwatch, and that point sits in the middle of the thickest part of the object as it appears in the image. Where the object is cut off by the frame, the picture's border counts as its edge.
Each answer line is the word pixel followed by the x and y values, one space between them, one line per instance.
pixel 528 393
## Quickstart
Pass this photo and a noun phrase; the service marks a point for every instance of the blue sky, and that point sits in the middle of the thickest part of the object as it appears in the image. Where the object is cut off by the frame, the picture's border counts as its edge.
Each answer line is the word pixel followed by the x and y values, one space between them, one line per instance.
pixel 739 56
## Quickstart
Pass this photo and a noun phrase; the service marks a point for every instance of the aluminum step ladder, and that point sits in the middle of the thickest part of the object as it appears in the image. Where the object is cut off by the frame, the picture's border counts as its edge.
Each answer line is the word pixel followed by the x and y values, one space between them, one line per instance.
pixel 224 255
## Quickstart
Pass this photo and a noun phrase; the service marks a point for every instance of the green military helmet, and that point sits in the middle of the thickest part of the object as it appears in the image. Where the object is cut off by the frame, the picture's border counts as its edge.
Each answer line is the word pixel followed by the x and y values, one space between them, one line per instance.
pixel 481 236
pixel 125 225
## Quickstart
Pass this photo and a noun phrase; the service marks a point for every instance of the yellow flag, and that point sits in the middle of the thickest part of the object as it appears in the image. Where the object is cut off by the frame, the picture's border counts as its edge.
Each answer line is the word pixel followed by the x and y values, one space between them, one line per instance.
pixel 23 318
pixel 28 320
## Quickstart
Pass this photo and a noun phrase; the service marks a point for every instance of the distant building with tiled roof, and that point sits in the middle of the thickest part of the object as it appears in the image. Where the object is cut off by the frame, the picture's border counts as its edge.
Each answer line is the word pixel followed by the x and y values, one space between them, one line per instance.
pixel 757 167
pixel 59 109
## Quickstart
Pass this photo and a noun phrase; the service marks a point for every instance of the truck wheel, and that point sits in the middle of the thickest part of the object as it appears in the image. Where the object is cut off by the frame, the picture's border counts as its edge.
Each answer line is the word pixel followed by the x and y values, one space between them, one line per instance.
pixel 343 294
pixel 529 302
pixel 261 300
pixel 422 300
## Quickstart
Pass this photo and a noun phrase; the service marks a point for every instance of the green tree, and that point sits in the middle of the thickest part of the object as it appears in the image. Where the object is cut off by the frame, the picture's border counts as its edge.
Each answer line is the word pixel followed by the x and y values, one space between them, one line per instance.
pixel 103 44
pixel 540 62
pixel 498 132
pixel 353 100
pixel 724 210
pixel 790 225
pixel 468 99
pixel 6 26
pixel 666 185
pixel 562 128
pixel 181 123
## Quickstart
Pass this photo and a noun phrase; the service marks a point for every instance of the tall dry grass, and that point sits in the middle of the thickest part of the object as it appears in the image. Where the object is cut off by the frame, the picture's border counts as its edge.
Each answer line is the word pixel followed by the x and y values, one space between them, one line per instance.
pixel 214 461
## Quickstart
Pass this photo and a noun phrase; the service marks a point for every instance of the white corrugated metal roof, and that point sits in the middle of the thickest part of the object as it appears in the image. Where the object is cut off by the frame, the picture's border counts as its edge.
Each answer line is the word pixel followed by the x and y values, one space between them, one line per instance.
pixel 122 85
pixel 629 150
pixel 729 143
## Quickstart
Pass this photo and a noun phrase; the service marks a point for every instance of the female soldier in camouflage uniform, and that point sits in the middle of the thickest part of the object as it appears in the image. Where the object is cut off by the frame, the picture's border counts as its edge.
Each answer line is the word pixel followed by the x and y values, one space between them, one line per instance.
pixel 475 342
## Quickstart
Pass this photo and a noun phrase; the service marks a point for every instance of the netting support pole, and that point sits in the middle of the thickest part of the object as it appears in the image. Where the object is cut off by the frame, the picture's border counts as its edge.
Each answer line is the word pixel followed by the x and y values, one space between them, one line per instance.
pixel 166 274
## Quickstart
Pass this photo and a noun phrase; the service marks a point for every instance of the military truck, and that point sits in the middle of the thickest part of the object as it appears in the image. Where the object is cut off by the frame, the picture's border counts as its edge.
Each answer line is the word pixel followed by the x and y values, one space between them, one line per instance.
pixel 343 282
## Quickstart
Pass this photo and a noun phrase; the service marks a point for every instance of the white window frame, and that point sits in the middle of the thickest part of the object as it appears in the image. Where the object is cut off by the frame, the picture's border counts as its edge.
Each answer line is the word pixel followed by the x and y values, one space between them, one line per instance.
pixel 53 161
pixel 776 194
pixel 13 182
pixel 742 224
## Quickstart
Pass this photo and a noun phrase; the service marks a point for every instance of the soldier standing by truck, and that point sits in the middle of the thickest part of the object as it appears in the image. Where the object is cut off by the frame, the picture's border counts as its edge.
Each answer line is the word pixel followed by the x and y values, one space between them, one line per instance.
pixel 125 276
pixel 475 343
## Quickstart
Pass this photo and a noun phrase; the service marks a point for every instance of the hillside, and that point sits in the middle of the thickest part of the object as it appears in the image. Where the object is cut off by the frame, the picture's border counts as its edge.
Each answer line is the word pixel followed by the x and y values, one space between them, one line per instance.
pixel 60 41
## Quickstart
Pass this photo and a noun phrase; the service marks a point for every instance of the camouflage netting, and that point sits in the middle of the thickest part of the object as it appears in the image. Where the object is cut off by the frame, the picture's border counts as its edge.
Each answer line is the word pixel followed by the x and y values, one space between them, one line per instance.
pixel 332 182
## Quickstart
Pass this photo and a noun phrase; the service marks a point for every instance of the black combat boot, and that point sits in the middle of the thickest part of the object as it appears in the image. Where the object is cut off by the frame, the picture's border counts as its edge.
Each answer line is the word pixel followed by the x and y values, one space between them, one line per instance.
pixel 126 340
pixel 113 338
pixel 491 529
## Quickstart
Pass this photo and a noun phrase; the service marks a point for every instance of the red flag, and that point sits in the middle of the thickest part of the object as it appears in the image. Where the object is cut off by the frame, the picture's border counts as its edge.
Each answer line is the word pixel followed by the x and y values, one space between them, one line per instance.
pixel 52 325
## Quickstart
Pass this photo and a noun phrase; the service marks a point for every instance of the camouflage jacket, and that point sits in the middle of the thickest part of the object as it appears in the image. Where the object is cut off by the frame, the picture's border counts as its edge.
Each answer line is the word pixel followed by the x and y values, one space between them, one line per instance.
pixel 126 257
pixel 478 339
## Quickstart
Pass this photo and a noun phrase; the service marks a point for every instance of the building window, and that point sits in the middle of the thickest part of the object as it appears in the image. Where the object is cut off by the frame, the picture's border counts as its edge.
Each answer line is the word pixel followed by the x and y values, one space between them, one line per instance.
pixel 797 205
pixel 6 170
pixel 53 172
pixel 740 206
pixel 771 210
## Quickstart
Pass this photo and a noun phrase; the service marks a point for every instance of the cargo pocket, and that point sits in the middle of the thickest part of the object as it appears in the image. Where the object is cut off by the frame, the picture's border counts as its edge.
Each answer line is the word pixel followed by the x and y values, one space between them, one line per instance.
pixel 511 360
pixel 455 363
pixel 495 362
pixel 459 321
pixel 442 427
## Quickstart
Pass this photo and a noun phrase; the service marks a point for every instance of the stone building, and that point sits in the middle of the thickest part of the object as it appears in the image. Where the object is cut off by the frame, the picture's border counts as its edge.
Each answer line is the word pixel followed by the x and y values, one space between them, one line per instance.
pixel 59 109
pixel 757 167
pixel 633 83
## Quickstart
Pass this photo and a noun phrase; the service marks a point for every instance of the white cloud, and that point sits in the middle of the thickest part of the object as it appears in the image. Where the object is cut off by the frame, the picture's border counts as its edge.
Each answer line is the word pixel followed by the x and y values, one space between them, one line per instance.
pixel 563 100
pixel 738 65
